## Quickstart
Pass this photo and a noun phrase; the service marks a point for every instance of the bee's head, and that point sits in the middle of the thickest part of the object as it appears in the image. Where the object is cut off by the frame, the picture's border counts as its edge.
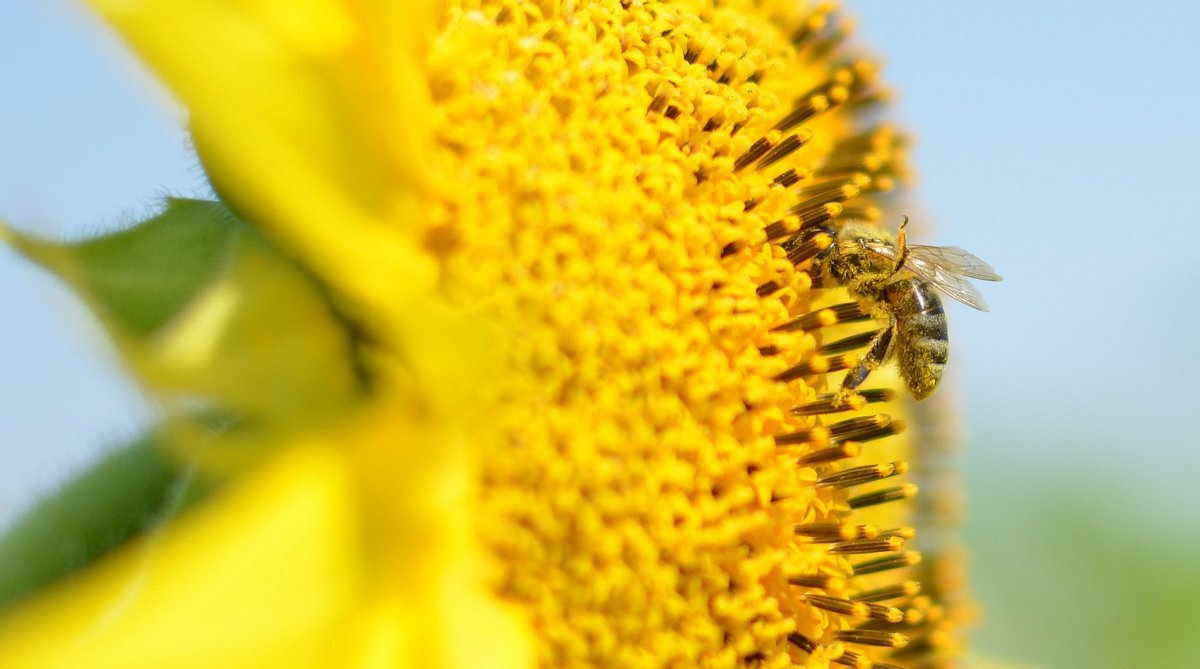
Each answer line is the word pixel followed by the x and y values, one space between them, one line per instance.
pixel 851 260
pixel 862 234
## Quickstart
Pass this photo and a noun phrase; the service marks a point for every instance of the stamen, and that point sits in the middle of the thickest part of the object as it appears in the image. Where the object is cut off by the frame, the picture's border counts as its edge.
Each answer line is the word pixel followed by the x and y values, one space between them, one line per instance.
pixel 818 214
pixel 813 24
pixel 865 474
pixel 768 288
pixel 824 403
pixel 868 214
pixel 906 532
pixel 925 603
pixel 914 617
pixel 853 659
pixel 866 428
pixel 849 312
pixel 785 148
pixel 810 247
pixel 845 607
pixel 831 532
pixel 782 228
pixel 822 195
pixel 821 581
pixel 885 613
pixel 848 343
pixel 906 491
pixel 856 609
pixel 906 559
pixel 857 162
pixel 862 102
pixel 865 72
pixel 815 434
pixel 852 427
pixel 880 184
pixel 834 187
pixel 807 107
pixel 822 48
pixel 848 449
pixel 925 645
pixel 802 642
pixel 901 589
pixel 867 546
pixel 883 137
pixel 817 365
pixel 787 179
pixel 756 151
pixel 872 638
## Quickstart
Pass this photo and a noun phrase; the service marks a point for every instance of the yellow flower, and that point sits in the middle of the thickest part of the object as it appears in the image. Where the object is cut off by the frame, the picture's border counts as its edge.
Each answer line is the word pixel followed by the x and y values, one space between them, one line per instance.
pixel 594 426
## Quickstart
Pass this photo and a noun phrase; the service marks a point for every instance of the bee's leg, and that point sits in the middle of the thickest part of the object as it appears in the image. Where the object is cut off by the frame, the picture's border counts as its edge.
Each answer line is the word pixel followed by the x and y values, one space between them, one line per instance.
pixel 880 349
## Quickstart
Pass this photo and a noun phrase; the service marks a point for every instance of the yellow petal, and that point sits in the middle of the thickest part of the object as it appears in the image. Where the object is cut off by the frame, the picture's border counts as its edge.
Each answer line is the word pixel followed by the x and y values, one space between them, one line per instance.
pixel 310 118
pixel 258 578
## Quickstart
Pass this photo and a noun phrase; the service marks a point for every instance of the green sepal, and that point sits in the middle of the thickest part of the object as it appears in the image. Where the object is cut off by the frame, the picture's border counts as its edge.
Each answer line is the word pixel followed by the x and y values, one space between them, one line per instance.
pixel 129 491
pixel 203 308
pixel 137 279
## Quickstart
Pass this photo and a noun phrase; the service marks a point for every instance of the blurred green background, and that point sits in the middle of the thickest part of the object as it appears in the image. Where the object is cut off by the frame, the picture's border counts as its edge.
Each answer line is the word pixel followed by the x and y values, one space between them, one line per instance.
pixel 1058 141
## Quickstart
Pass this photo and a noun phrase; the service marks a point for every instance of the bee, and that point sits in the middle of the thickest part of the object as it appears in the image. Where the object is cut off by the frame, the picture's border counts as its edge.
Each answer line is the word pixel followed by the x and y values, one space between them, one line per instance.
pixel 899 284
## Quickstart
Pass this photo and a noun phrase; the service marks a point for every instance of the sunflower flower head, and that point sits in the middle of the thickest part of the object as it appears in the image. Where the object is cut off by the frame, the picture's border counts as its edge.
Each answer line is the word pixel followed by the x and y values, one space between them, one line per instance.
pixel 663 489
pixel 571 261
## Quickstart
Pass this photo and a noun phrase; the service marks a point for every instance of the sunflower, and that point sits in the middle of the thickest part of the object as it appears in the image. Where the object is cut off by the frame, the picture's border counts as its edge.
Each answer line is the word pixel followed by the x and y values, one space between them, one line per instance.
pixel 498 347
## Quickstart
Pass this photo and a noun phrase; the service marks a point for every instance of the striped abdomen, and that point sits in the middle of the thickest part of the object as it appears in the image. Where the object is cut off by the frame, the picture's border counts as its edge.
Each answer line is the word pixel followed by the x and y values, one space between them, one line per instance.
pixel 921 341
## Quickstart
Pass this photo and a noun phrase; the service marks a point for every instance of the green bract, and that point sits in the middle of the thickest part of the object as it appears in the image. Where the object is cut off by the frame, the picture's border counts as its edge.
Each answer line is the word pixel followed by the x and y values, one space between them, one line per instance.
pixel 204 308
pixel 236 342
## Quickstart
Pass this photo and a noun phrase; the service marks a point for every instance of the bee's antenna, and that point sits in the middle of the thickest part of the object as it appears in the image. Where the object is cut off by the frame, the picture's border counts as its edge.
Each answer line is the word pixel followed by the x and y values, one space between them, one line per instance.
pixel 902 243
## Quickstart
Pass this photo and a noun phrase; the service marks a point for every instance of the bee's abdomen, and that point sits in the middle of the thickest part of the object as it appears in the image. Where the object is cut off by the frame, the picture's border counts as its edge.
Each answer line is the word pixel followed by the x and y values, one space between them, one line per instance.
pixel 922 339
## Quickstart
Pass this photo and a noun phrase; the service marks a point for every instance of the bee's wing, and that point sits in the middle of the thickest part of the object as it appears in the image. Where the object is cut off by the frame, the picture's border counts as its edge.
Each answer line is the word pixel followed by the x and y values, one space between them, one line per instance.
pixel 945 267
pixel 956 260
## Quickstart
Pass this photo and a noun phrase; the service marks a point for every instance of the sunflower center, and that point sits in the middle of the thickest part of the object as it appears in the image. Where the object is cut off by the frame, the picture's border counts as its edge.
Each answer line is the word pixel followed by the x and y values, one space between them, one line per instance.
pixel 626 183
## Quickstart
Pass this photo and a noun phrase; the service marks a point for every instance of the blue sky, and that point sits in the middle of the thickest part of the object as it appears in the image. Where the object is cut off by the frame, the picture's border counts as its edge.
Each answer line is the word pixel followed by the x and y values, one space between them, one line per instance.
pixel 1056 140
pixel 1059 142
pixel 83 147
